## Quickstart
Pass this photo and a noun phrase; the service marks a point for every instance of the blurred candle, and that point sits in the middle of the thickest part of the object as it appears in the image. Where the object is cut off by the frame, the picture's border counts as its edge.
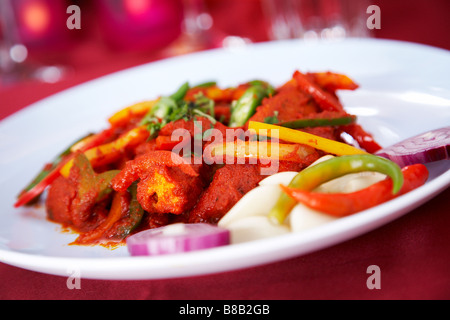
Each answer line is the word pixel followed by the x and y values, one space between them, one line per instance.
pixel 316 19
pixel 140 24
pixel 35 17
pixel 137 7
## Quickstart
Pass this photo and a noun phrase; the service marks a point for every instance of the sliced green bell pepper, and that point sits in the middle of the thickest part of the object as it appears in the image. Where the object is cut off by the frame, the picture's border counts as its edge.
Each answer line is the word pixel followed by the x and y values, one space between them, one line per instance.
pixel 319 122
pixel 246 105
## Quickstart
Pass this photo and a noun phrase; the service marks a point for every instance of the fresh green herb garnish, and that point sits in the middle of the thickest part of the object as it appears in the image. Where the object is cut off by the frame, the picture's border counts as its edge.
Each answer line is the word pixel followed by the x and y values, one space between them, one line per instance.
pixel 174 107
pixel 273 119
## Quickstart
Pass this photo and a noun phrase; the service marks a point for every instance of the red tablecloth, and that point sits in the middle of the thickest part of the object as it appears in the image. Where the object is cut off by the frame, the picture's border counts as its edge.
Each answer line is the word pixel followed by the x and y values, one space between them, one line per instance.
pixel 412 252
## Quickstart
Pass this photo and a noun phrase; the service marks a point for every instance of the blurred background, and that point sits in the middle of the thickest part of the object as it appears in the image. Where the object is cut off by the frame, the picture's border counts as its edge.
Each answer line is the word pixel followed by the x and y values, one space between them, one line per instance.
pixel 59 43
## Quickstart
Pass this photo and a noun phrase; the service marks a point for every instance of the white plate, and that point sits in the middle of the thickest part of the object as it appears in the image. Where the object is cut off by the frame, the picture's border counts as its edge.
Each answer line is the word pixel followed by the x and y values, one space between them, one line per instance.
pixel 404 91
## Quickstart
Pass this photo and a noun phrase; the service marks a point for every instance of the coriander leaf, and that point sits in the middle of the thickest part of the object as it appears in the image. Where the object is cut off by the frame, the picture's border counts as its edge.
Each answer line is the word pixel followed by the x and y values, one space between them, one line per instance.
pixel 273 119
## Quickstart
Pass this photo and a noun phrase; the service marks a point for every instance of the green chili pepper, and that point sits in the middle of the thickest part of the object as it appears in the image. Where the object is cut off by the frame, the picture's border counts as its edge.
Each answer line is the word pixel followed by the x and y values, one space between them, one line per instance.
pixel 50 166
pixel 39 177
pixel 135 214
pixel 91 181
pixel 181 92
pixel 165 106
pixel 313 176
pixel 136 211
pixel 246 105
pixel 162 112
pixel 261 83
pixel 319 122
pixel 205 84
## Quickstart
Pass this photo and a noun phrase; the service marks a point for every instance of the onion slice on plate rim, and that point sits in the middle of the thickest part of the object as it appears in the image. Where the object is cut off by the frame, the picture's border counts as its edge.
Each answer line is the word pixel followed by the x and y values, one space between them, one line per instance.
pixel 177 238
pixel 427 147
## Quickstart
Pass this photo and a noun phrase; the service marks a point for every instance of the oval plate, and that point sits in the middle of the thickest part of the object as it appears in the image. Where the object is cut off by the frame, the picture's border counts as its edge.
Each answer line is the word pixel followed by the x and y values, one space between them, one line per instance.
pixel 404 90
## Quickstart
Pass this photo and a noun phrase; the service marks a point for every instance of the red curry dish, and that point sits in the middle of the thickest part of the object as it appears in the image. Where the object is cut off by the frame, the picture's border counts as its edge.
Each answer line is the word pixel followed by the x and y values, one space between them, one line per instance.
pixel 126 178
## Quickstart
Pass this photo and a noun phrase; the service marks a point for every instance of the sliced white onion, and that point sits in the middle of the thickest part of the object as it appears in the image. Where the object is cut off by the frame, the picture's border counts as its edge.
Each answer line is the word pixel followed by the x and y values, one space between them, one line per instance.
pixel 256 202
pixel 350 182
pixel 426 147
pixel 282 177
pixel 177 238
pixel 248 220
pixel 303 218
pixel 254 228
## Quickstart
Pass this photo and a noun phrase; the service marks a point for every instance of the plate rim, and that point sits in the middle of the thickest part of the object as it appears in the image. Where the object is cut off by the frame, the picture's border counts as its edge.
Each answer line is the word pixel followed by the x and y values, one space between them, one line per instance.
pixel 251 46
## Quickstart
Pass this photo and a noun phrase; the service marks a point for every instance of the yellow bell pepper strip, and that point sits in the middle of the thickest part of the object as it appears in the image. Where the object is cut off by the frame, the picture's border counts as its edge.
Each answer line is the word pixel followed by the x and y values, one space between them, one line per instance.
pixel 295 136
pixel 344 204
pixel 311 177
pixel 227 152
pixel 109 152
pixel 124 116
pixel 50 173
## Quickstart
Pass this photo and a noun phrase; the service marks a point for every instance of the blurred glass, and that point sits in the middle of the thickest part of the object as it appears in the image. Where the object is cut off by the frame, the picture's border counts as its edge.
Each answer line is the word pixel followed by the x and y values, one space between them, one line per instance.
pixel 200 29
pixel 25 24
pixel 195 29
pixel 12 51
pixel 316 19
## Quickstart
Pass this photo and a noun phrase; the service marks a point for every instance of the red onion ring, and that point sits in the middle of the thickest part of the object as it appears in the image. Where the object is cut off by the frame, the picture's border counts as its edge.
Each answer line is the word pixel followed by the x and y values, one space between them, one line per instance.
pixel 177 238
pixel 426 147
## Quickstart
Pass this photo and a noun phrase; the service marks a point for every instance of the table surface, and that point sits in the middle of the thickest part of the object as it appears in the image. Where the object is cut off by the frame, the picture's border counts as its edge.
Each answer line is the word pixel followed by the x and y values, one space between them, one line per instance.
pixel 412 251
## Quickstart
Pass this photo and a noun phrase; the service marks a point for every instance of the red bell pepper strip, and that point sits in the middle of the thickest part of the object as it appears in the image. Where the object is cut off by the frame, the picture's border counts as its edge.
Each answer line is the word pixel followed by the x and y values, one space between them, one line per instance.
pixel 48 178
pixel 29 195
pixel 166 143
pixel 119 208
pixel 324 99
pixel 331 81
pixel 344 204
pixel 364 139
pixel 125 215
pixel 106 153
